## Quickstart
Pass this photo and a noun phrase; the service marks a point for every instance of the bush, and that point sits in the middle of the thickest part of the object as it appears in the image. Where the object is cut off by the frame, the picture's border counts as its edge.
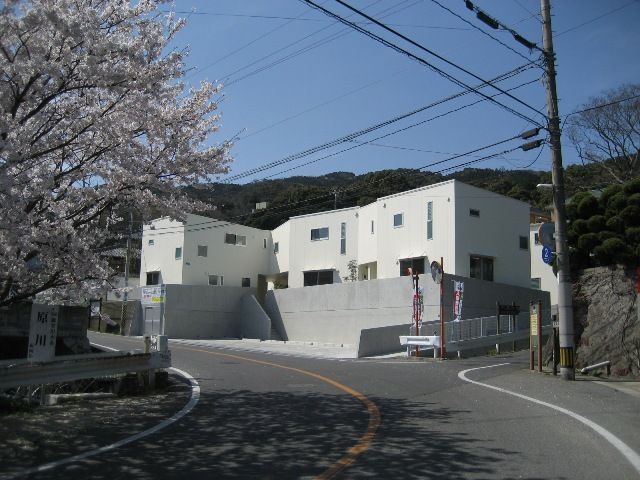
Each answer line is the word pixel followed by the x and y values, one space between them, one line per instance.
pixel 632 187
pixel 634 200
pixel 631 216
pixel 615 224
pixel 613 250
pixel 597 223
pixel 609 192
pixel 616 203
pixel 588 242
pixel 632 234
pixel 579 227
pixel 587 205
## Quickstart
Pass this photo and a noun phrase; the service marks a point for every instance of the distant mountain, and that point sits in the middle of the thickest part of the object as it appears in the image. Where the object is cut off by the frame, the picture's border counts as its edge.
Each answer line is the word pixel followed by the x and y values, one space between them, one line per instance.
pixel 300 195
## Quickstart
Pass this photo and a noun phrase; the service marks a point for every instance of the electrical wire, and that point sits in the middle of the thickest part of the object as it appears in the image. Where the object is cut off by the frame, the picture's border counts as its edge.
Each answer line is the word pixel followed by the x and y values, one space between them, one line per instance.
pixel 305 49
pixel 596 18
pixel 383 136
pixel 484 32
pixel 328 196
pixel 423 61
pixel 365 131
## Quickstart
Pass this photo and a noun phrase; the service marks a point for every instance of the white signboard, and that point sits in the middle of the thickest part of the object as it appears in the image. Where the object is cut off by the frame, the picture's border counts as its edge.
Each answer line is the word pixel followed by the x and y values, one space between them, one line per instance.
pixel 43 330
pixel 153 295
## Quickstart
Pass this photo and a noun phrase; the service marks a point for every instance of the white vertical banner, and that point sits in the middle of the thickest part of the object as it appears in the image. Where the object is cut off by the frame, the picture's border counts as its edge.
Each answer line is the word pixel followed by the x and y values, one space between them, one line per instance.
pixel 458 294
pixel 43 330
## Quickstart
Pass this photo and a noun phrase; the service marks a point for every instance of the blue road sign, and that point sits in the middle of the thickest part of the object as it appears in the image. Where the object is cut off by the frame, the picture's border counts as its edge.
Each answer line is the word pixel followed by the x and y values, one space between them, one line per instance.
pixel 547 254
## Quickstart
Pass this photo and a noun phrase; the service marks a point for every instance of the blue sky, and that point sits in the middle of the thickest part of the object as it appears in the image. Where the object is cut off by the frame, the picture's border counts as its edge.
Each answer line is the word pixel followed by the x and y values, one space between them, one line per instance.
pixel 281 102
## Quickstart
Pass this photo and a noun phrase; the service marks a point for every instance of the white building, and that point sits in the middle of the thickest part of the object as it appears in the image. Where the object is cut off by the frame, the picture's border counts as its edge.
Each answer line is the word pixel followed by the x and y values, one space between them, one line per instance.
pixel 203 251
pixel 477 233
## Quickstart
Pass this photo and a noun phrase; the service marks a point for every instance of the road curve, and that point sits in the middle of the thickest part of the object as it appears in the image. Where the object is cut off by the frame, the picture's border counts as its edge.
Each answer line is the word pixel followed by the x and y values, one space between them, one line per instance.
pixel 268 416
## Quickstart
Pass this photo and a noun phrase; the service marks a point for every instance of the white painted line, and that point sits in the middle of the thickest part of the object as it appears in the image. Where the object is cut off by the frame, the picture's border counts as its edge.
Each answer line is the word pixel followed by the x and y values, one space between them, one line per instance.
pixel 193 401
pixel 618 444
pixel 111 349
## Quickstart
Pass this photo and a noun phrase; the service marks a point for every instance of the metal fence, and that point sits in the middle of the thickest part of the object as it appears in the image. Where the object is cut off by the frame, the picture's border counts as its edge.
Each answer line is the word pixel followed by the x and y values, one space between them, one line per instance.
pixel 481 327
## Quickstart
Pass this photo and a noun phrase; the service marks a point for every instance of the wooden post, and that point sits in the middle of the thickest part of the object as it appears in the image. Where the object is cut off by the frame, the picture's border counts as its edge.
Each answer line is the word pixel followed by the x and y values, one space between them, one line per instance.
pixel 530 337
pixel 539 336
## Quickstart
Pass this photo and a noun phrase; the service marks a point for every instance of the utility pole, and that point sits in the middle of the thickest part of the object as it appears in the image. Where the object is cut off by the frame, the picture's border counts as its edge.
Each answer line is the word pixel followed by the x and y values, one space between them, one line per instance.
pixel 127 261
pixel 565 307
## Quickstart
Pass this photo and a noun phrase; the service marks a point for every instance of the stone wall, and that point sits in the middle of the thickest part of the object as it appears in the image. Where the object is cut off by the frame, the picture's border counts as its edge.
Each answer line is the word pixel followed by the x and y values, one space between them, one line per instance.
pixel 607 319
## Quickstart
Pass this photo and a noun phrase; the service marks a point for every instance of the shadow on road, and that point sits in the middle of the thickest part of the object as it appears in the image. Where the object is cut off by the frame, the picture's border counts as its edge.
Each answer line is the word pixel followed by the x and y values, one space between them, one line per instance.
pixel 244 434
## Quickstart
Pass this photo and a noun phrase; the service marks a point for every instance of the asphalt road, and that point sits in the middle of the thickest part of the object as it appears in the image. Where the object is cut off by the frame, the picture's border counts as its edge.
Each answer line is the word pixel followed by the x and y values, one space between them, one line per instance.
pixel 271 416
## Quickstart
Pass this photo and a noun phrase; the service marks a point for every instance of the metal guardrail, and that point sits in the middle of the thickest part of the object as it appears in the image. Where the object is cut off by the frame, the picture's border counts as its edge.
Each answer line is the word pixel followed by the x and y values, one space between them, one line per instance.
pixel 21 372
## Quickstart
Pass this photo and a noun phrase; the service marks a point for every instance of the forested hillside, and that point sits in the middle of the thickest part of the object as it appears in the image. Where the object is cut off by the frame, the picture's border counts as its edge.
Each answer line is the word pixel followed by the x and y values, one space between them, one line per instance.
pixel 300 195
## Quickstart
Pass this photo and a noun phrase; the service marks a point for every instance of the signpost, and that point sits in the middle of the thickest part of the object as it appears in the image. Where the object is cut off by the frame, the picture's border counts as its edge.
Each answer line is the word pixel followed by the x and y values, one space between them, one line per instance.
pixel 535 334
pixel 437 272
pixel 43 331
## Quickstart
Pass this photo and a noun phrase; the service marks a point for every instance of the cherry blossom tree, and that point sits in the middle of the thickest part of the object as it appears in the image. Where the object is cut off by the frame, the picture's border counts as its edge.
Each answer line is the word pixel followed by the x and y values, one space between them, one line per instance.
pixel 94 119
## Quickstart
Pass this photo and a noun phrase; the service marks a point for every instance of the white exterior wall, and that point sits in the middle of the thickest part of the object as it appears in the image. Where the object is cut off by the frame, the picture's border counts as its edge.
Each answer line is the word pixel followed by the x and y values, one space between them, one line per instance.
pixel 539 269
pixel 456 236
pixel 166 235
pixel 410 240
pixel 306 255
pixel 233 262
pixel 279 263
pixel 367 241
pixel 495 233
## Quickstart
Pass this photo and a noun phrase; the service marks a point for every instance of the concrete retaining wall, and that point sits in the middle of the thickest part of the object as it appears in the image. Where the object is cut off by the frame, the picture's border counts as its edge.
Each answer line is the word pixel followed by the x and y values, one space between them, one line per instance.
pixel 254 322
pixel 372 314
pixel 202 311
pixel 337 313
pixel 381 340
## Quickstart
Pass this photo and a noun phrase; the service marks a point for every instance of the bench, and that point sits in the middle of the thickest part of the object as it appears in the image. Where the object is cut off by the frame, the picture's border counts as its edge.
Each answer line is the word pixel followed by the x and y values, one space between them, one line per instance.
pixel 432 341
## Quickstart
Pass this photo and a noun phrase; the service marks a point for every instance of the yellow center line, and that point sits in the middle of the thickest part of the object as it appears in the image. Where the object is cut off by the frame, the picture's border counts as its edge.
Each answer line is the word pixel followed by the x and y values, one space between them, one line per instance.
pixel 374 414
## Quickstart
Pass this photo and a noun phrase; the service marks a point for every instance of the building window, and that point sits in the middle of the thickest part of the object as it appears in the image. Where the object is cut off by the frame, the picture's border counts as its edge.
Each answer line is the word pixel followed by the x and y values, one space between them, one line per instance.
pixel 429 220
pixel 246 282
pixel 264 243
pixel 415 264
pixel 233 239
pixel 151 242
pixel 153 278
pixel 398 220
pixel 372 228
pixel 178 253
pixel 276 247
pixel 535 283
pixel 474 213
pixel 481 267
pixel 202 250
pixel 319 234
pixel 524 242
pixel 216 280
pixel 318 277
pixel 343 238
pixel 536 238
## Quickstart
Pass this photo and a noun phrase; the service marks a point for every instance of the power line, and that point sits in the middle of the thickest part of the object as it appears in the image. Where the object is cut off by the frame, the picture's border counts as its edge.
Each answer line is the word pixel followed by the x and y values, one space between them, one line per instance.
pixel 305 49
pixel 431 52
pixel 322 104
pixel 215 62
pixel 596 18
pixel 362 132
pixel 316 20
pixel 482 31
pixel 329 195
pixel 596 107
pixel 425 62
